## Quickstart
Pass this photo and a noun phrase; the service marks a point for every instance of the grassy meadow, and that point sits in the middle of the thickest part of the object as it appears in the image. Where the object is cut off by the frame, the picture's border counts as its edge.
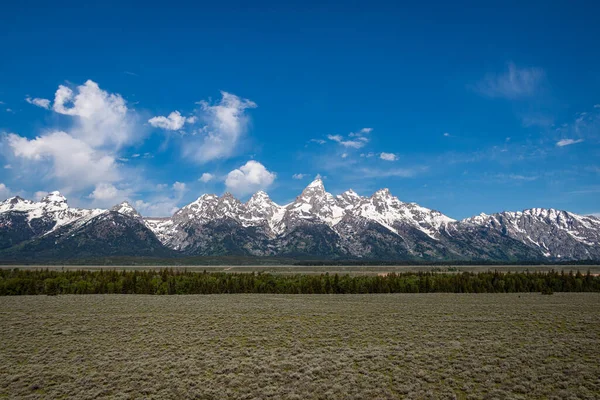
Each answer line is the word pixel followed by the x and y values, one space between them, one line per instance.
pixel 266 346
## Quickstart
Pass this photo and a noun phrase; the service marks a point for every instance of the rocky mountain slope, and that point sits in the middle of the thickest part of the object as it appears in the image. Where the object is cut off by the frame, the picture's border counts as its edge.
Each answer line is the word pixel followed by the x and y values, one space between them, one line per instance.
pixel 315 225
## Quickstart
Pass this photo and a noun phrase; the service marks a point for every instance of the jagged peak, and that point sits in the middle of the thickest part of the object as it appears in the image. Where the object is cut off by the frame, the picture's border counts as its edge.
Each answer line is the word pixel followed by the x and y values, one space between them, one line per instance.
pixel 259 197
pixel 206 196
pixel 15 200
pixel 260 193
pixel 317 183
pixel 126 209
pixel 351 193
pixel 382 193
pixel 54 197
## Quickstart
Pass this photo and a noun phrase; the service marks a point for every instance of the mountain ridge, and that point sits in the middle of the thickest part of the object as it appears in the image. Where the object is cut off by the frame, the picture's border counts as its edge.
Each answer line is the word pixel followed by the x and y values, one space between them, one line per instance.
pixel 315 224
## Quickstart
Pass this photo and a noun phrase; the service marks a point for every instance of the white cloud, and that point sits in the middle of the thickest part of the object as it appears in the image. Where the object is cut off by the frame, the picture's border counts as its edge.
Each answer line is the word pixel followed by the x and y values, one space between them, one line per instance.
pixel 39 195
pixel 344 155
pixel 388 156
pixel 516 177
pixel 386 173
pixel 359 139
pixel 568 142
pixel 226 123
pixel 596 105
pixel 102 117
pixel 105 191
pixel 299 176
pixel 161 205
pixel 160 208
pixel 355 144
pixel 514 83
pixel 179 187
pixel 446 134
pixel 249 178
pixel 173 122
pixel 74 163
pixel 318 141
pixel 44 103
pixel 362 132
pixel 191 120
pixel 206 177
pixel 86 154
pixel 8 166
pixel 4 191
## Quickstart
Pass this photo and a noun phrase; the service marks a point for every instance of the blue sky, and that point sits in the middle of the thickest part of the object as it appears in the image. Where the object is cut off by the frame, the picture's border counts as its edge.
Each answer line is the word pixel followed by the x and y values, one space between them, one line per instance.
pixel 463 107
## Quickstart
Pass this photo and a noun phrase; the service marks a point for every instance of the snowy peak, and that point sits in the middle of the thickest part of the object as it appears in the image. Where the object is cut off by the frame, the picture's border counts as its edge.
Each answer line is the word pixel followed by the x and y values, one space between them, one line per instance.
pixel 317 184
pixel 260 201
pixel 314 204
pixel 382 193
pixel 126 209
pixel 16 204
pixel 50 213
pixel 210 207
pixel 556 233
pixel 349 199
pixel 259 197
pixel 55 198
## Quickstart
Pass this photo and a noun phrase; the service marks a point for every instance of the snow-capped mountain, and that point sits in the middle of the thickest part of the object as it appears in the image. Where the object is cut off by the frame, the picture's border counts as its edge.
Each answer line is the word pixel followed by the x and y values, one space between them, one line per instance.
pixel 50 229
pixel 557 234
pixel 316 224
pixel 34 218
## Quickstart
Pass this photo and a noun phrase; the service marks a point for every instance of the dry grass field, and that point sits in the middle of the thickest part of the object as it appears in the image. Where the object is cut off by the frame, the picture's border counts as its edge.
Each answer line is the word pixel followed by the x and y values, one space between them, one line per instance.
pixel 464 346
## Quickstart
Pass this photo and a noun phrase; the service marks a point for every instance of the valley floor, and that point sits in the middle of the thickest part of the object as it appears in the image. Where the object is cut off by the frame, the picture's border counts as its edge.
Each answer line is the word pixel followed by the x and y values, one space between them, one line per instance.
pixel 301 346
pixel 331 269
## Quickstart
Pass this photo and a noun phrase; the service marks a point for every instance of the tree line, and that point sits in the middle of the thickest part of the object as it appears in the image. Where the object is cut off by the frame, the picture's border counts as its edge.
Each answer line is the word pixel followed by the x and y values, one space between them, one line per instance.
pixel 176 281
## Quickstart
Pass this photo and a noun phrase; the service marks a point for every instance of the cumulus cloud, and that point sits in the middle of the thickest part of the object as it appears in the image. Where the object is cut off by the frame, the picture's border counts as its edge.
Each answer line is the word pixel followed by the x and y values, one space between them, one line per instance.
pixel 44 103
pixel 179 187
pixel 162 204
pixel 388 156
pixel 512 84
pixel 206 177
pixel 73 162
pixel 249 178
pixel 299 176
pixel 85 154
pixel 4 191
pixel 568 142
pixel 157 208
pixel 102 118
pixel 39 195
pixel 107 194
pixel 226 123
pixel 173 122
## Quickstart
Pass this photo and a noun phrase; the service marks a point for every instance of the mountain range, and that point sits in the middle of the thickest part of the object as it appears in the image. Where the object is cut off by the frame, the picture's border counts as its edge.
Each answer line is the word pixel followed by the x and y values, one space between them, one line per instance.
pixel 316 225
